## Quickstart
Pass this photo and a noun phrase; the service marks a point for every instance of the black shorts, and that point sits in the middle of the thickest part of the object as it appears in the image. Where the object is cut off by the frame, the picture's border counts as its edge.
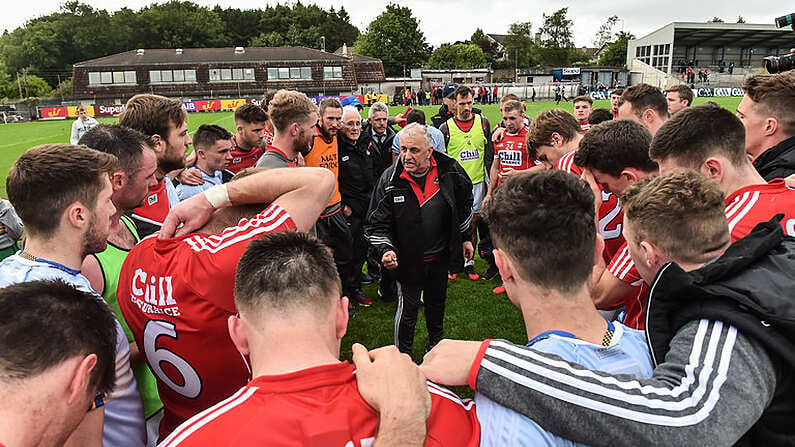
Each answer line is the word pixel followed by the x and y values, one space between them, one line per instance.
pixel 333 230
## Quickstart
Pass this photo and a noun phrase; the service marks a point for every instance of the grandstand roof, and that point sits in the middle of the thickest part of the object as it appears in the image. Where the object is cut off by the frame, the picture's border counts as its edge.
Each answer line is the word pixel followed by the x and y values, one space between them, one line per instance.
pixel 716 34
pixel 211 56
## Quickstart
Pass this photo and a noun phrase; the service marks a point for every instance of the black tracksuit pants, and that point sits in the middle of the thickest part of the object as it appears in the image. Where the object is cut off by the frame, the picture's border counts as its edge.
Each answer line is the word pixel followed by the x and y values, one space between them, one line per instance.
pixel 434 285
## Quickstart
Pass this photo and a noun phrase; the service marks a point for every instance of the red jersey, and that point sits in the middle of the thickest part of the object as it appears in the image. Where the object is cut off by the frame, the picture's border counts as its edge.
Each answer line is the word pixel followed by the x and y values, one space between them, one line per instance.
pixel 157 203
pixel 610 215
pixel 319 406
pixel 745 208
pixel 512 153
pixel 176 295
pixel 585 127
pixel 242 159
pixel 748 206
pixel 623 268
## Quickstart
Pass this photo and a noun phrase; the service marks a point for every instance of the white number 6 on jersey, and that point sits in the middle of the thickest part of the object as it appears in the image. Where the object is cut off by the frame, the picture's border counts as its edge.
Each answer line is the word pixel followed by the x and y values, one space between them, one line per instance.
pixel 192 384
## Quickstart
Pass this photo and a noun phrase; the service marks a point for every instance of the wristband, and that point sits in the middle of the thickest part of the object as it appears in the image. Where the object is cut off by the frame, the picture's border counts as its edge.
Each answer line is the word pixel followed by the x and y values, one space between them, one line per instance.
pixel 218 196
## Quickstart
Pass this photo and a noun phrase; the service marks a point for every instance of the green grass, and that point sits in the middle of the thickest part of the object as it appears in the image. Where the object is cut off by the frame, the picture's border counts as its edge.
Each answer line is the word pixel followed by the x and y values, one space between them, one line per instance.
pixel 473 311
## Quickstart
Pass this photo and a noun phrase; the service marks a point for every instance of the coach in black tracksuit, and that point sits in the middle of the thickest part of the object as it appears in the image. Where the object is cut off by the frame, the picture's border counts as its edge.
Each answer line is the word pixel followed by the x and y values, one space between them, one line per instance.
pixel 419 221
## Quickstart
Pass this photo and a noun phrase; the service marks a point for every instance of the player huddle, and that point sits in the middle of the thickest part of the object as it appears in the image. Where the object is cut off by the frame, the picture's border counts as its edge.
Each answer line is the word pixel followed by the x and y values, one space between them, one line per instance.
pixel 651 257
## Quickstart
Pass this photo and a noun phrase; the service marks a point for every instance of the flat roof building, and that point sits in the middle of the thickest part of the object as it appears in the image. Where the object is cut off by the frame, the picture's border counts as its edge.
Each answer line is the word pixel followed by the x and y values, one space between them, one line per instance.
pixel 219 72
pixel 679 44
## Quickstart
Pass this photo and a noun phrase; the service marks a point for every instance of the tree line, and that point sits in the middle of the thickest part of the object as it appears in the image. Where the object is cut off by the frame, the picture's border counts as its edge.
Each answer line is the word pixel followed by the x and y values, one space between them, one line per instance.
pixel 36 59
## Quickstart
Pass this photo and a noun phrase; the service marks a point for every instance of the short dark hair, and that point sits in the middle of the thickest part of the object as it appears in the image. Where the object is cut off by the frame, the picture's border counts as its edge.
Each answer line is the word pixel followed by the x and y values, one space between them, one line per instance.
pixel 645 96
pixel 152 114
pixel 126 143
pixel 582 98
pixel 695 133
pixel 545 222
pixel 44 323
pixel 776 94
pixel 682 213
pixel 614 145
pixel 250 113
pixel 283 272
pixel 683 91
pixel 618 91
pixel 329 103
pixel 207 134
pixel 415 116
pixel 46 179
pixel 462 91
pixel 599 116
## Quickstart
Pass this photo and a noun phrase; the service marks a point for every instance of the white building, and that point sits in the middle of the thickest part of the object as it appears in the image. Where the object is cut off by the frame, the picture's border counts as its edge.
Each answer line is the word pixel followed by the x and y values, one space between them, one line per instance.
pixel 671 47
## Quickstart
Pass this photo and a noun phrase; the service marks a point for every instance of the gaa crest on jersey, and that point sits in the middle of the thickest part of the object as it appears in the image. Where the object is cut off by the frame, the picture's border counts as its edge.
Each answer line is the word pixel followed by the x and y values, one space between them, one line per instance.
pixel 510 158
pixel 237 160
pixel 469 155
pixel 151 200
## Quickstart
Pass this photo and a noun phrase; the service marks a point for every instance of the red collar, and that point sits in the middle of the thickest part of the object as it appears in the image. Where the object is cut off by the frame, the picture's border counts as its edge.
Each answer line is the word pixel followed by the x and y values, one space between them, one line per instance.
pixel 431 183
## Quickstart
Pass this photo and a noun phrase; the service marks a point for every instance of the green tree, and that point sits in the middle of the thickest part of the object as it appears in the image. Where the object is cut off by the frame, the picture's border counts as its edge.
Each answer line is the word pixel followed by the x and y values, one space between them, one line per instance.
pixel 615 54
pixel 605 33
pixel 740 19
pixel 178 24
pixel 715 20
pixel 488 46
pixel 306 26
pixel 458 55
pixel 519 45
pixel 32 87
pixel 395 38
pixel 555 38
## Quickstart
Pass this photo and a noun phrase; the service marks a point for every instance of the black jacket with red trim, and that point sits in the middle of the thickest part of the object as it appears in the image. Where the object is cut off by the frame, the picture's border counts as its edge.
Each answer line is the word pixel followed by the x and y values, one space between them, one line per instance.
pixel 394 219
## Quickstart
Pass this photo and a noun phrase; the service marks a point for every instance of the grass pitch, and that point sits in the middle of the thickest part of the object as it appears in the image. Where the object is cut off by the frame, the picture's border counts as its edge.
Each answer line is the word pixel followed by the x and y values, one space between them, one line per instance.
pixel 473 311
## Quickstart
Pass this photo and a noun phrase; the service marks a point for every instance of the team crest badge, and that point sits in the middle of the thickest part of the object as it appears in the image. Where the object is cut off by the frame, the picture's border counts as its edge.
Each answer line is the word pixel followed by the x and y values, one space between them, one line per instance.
pixel 151 200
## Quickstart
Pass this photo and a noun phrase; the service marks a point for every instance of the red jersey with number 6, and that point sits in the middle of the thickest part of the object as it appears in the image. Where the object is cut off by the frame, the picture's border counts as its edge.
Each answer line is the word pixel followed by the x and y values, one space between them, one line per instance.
pixel 176 295
pixel 512 153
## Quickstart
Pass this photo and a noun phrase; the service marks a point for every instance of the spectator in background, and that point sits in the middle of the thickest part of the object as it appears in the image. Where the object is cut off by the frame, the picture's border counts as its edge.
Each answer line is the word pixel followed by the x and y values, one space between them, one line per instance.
pixel 81 125
pixel 678 97
pixel 767 112
pixel 533 97
pixel 599 116
pixel 645 104
pixel 213 146
pixel 11 229
pixel 418 116
pixel 62 368
pixel 250 123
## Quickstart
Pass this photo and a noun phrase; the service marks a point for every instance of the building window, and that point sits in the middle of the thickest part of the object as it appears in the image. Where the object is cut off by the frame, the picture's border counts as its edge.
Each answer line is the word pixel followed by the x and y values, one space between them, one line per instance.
pixel 111 78
pixel 172 76
pixel 231 74
pixel 287 73
pixel 332 72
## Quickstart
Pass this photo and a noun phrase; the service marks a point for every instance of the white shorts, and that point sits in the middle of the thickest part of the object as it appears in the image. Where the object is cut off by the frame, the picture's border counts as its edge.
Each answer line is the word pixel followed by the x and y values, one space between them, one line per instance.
pixel 478 193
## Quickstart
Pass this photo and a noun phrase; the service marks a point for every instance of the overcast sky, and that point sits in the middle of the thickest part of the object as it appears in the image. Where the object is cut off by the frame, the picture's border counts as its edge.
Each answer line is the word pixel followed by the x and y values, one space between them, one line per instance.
pixel 448 20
